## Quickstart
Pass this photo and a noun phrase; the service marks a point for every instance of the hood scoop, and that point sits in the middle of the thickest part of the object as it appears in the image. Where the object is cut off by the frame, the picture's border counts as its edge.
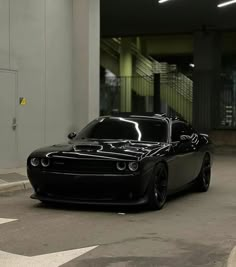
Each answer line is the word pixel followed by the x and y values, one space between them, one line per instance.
pixel 87 147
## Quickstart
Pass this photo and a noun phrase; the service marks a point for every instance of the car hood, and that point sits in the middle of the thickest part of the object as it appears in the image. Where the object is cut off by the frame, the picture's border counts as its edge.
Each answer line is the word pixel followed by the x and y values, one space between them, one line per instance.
pixel 104 149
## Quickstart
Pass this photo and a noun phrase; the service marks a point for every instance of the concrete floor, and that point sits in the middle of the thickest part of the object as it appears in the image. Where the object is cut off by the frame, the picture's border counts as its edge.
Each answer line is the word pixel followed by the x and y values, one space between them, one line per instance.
pixel 194 229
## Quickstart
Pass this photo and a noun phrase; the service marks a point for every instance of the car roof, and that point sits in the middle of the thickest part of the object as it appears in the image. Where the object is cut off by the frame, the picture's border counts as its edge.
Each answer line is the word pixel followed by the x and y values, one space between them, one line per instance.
pixel 163 117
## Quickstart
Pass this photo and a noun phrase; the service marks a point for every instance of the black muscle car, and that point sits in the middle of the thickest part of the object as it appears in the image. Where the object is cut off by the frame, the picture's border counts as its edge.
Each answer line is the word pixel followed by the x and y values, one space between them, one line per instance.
pixel 127 160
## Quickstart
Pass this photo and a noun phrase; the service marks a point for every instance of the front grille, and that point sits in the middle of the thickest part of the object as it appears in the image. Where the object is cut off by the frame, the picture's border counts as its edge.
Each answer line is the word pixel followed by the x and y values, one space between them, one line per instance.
pixel 81 191
pixel 82 166
pixel 87 189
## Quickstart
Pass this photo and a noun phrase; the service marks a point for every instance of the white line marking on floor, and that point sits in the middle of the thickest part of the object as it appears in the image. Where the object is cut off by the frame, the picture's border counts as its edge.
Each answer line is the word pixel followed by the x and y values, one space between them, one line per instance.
pixel 2 220
pixel 53 260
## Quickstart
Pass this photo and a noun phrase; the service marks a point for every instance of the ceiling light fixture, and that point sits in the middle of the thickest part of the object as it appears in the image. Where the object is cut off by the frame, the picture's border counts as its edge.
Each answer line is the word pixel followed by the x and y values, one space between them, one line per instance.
pixel 227 3
pixel 162 1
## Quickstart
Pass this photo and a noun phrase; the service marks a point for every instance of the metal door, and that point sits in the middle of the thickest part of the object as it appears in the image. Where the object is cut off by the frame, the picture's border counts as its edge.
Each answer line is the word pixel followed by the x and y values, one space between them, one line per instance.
pixel 8 142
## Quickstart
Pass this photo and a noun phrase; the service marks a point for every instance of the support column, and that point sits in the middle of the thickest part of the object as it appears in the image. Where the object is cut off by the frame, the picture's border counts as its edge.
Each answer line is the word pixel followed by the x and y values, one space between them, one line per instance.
pixel 86 61
pixel 157 93
pixel 206 79
pixel 126 74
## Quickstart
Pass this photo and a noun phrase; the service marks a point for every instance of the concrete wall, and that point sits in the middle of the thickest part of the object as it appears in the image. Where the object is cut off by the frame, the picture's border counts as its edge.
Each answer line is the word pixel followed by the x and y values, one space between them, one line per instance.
pixel 36 41
pixel 223 137
pixel 86 61
pixel 4 34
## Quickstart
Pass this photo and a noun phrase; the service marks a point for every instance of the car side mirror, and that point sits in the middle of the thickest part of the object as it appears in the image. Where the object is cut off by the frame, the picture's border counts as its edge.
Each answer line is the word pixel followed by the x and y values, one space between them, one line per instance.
pixel 184 138
pixel 71 135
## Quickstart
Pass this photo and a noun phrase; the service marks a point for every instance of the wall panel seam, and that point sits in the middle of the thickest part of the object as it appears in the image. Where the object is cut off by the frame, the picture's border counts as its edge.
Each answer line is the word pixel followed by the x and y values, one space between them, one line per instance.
pixel 9 36
pixel 45 69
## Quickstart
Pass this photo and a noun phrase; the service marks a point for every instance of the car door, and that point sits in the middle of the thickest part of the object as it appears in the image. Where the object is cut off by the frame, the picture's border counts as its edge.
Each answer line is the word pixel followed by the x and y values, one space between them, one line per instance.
pixel 198 155
pixel 195 159
pixel 181 165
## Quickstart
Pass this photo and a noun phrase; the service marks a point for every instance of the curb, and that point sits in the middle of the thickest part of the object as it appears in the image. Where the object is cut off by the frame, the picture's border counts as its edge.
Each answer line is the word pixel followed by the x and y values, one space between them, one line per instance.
pixel 15 186
pixel 232 258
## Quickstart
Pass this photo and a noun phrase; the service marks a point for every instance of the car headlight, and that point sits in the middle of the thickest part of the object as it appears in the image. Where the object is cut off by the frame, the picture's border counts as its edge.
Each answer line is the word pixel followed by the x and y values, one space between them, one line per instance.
pixel 45 162
pixel 133 166
pixel 121 166
pixel 34 162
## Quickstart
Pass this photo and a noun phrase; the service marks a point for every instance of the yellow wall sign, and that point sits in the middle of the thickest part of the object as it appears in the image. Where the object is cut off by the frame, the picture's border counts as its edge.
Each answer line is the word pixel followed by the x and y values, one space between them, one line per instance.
pixel 23 101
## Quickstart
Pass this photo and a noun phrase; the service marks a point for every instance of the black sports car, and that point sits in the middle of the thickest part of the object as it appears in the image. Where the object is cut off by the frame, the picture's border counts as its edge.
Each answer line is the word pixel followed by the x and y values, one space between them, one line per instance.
pixel 127 160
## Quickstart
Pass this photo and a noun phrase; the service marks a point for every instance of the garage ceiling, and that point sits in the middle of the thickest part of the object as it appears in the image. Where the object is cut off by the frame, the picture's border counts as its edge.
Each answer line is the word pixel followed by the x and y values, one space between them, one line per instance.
pixel 148 17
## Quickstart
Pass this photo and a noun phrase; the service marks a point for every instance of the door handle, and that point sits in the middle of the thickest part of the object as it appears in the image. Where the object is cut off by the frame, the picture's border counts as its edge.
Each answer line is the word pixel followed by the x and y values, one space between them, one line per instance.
pixel 14 124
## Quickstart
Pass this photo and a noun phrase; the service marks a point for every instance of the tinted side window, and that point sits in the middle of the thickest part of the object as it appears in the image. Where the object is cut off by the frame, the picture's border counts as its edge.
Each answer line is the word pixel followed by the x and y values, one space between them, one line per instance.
pixel 178 129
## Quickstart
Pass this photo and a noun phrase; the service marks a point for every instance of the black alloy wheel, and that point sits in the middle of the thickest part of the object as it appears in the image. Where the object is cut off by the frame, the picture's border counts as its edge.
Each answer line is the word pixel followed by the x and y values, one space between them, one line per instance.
pixel 204 177
pixel 158 187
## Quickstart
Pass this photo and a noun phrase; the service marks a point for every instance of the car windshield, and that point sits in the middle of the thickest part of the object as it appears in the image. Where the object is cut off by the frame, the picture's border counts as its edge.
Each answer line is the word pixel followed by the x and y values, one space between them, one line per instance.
pixel 138 129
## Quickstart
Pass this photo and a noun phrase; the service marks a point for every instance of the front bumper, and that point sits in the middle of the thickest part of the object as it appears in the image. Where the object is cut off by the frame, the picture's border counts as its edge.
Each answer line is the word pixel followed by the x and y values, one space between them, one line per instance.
pixel 102 189
pixel 56 199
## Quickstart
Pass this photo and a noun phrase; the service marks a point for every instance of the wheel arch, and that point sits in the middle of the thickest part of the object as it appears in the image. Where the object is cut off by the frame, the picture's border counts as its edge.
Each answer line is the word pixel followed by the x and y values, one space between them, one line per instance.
pixel 207 153
pixel 165 163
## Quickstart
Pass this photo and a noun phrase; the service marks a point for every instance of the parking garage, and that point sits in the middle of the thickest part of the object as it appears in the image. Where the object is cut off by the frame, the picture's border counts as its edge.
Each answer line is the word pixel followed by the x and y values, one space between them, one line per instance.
pixel 63 63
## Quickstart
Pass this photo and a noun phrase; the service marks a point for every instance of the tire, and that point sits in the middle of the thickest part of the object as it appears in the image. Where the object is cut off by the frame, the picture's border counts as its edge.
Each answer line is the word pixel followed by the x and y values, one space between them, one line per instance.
pixel 157 191
pixel 204 177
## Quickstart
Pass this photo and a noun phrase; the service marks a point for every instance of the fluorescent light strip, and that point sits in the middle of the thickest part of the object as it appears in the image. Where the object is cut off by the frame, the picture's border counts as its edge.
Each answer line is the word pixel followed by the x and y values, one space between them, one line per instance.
pixel 162 1
pixel 227 3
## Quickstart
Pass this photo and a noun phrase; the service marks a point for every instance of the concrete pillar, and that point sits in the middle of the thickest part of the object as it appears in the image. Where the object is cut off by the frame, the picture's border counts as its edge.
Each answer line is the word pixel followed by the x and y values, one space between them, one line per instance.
pixel 126 74
pixel 138 43
pixel 86 61
pixel 206 79
pixel 157 93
